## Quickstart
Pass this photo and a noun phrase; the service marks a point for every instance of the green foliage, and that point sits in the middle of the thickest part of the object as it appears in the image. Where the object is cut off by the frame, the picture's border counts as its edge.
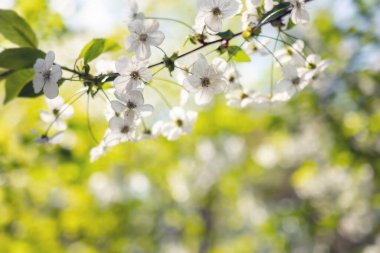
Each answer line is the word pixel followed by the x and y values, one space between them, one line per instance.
pixel 16 29
pixel 16 82
pixel 19 58
pixel 96 47
pixel 237 54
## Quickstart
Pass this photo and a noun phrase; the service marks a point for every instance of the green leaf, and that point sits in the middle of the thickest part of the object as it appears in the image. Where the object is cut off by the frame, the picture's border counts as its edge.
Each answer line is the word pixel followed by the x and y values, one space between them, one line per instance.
pixel 16 82
pixel 96 47
pixel 16 29
pixel 28 91
pixel 279 11
pixel 227 35
pixel 19 58
pixel 237 54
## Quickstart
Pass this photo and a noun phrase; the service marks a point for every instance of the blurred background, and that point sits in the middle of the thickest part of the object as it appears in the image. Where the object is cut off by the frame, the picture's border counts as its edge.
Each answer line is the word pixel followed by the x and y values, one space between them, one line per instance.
pixel 297 177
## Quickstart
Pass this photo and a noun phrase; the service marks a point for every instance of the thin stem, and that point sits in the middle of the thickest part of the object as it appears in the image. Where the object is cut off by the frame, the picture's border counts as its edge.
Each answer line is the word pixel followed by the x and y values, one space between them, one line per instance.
pixel 269 51
pixel 169 81
pixel 89 122
pixel 63 110
pixel 173 20
pixel 161 95
pixel 272 67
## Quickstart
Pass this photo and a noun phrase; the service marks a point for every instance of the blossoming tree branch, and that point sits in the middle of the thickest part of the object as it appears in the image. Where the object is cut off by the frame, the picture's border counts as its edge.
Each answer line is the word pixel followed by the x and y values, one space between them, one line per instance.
pixel 30 72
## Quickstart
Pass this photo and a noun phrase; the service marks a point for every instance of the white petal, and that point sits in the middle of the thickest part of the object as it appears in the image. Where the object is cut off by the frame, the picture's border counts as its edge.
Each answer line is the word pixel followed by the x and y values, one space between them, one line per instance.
pixel 203 97
pixel 38 83
pixel 143 51
pixel 55 104
pixel 49 60
pixel 51 89
pixel 156 38
pixel 67 112
pixel 214 23
pixel 117 106
pixel 46 116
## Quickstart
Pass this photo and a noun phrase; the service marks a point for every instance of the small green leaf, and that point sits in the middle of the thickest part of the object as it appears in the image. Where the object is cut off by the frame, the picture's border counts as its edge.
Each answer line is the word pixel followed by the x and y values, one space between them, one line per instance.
pixel 16 29
pixel 237 54
pixel 19 58
pixel 16 82
pixel 227 35
pixel 290 25
pixel 96 47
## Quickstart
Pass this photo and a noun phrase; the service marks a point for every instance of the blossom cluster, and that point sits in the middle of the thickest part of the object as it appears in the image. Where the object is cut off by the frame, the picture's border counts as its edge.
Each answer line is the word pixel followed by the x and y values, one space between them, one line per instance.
pixel 201 80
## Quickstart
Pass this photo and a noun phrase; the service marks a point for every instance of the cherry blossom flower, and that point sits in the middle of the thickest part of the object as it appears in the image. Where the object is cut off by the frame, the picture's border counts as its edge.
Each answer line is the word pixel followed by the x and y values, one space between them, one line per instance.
pixel 291 54
pixel 133 74
pixel 256 47
pixel 123 128
pixel 293 81
pixel 182 122
pixel 241 98
pixel 299 13
pixel 132 101
pixel 315 66
pixel 250 17
pixel 104 146
pixel 46 76
pixel 58 112
pixel 133 12
pixel 46 140
pixel 144 34
pixel 205 81
pixel 212 12
pixel 268 4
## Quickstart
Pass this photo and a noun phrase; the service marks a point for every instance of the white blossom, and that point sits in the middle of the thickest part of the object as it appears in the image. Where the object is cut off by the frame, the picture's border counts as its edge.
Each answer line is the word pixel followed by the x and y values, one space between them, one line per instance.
pixel 293 81
pixel 58 112
pixel 133 74
pixel 256 47
pixel 299 13
pixel 132 101
pixel 46 76
pixel 212 12
pixel 144 34
pixel 133 12
pixel 292 54
pixel 250 17
pixel 268 4
pixel 104 146
pixel 315 66
pixel 46 140
pixel 205 81
pixel 241 98
pixel 182 122
pixel 123 128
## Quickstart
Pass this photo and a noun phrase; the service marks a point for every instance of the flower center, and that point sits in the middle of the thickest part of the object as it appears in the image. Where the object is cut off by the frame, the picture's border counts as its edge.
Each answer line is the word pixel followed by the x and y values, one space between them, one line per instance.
pixel 296 81
pixel 143 37
pixel 125 130
pixel 289 52
pixel 243 96
pixel 312 66
pixel 179 122
pixel 135 75
pixel 55 112
pixel 205 82
pixel 131 105
pixel 232 79
pixel 216 11
pixel 46 75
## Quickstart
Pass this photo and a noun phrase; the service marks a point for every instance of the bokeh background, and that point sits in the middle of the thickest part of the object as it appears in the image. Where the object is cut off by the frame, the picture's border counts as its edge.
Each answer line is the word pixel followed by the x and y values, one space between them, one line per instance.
pixel 297 177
